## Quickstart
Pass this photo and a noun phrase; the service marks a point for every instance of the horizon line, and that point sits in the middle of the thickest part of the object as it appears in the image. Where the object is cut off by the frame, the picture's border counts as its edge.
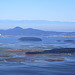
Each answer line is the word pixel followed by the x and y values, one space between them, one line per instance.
pixel 34 20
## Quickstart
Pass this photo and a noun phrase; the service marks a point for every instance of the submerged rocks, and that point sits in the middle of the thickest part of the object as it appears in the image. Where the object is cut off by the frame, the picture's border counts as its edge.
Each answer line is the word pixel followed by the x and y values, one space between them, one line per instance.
pixel 56 59
pixel 32 59
pixel 58 40
pixel 68 40
pixel 30 39
pixel 19 59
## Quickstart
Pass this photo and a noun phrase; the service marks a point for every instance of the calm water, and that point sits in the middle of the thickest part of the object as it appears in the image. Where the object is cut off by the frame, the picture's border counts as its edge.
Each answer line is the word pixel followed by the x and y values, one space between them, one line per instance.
pixel 40 67
pixel 46 43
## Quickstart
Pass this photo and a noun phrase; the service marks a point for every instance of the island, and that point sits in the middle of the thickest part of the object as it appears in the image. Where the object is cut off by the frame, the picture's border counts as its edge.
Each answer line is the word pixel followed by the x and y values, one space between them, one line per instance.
pixel 69 51
pixel 70 41
pixel 23 55
pixel 30 39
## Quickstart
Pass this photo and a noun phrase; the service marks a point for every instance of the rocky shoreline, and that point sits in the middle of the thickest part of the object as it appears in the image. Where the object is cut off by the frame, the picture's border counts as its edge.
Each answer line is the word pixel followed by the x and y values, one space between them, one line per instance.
pixel 21 55
pixel 55 51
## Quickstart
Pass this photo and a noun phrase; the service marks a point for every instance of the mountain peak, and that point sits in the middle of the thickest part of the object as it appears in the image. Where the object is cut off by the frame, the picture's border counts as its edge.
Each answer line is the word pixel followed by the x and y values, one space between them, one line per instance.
pixel 18 28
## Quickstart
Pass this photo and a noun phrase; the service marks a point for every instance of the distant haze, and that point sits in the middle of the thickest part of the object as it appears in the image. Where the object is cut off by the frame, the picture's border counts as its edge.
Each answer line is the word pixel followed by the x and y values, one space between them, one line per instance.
pixel 49 15
pixel 39 24
pixel 52 10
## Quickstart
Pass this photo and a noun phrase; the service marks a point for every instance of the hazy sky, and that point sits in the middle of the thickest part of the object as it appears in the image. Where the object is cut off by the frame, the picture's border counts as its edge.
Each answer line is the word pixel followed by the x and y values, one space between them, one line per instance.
pixel 51 10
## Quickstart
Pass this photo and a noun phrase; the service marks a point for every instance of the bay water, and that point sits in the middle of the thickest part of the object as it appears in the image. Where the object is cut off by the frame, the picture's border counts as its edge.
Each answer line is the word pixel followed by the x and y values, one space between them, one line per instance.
pixel 40 67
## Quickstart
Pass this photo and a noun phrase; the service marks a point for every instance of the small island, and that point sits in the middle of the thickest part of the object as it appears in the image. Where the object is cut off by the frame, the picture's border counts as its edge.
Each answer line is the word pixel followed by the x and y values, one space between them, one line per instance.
pixel 70 41
pixel 69 51
pixel 30 39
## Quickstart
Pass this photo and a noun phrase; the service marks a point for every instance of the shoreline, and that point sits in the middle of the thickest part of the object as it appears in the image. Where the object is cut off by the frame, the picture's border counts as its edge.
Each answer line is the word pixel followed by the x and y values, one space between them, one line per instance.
pixel 22 55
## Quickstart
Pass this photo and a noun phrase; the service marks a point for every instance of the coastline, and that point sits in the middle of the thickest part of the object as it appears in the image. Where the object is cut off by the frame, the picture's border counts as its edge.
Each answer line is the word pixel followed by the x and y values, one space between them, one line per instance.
pixel 22 55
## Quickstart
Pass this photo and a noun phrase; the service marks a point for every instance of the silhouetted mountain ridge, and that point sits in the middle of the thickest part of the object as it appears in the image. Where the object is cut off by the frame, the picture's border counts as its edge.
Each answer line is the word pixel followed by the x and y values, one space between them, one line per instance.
pixel 45 24
pixel 34 32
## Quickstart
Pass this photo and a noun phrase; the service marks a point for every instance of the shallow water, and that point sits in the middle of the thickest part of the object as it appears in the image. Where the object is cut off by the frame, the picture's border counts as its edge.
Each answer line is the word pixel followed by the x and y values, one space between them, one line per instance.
pixel 39 67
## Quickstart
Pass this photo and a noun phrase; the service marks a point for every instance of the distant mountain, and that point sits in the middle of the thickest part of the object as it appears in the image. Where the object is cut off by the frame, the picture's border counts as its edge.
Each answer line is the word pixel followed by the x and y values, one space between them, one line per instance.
pixel 39 24
pixel 35 32
pixel 21 31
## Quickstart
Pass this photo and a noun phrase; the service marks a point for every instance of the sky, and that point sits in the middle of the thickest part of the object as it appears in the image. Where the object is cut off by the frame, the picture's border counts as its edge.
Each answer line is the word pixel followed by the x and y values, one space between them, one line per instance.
pixel 51 10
